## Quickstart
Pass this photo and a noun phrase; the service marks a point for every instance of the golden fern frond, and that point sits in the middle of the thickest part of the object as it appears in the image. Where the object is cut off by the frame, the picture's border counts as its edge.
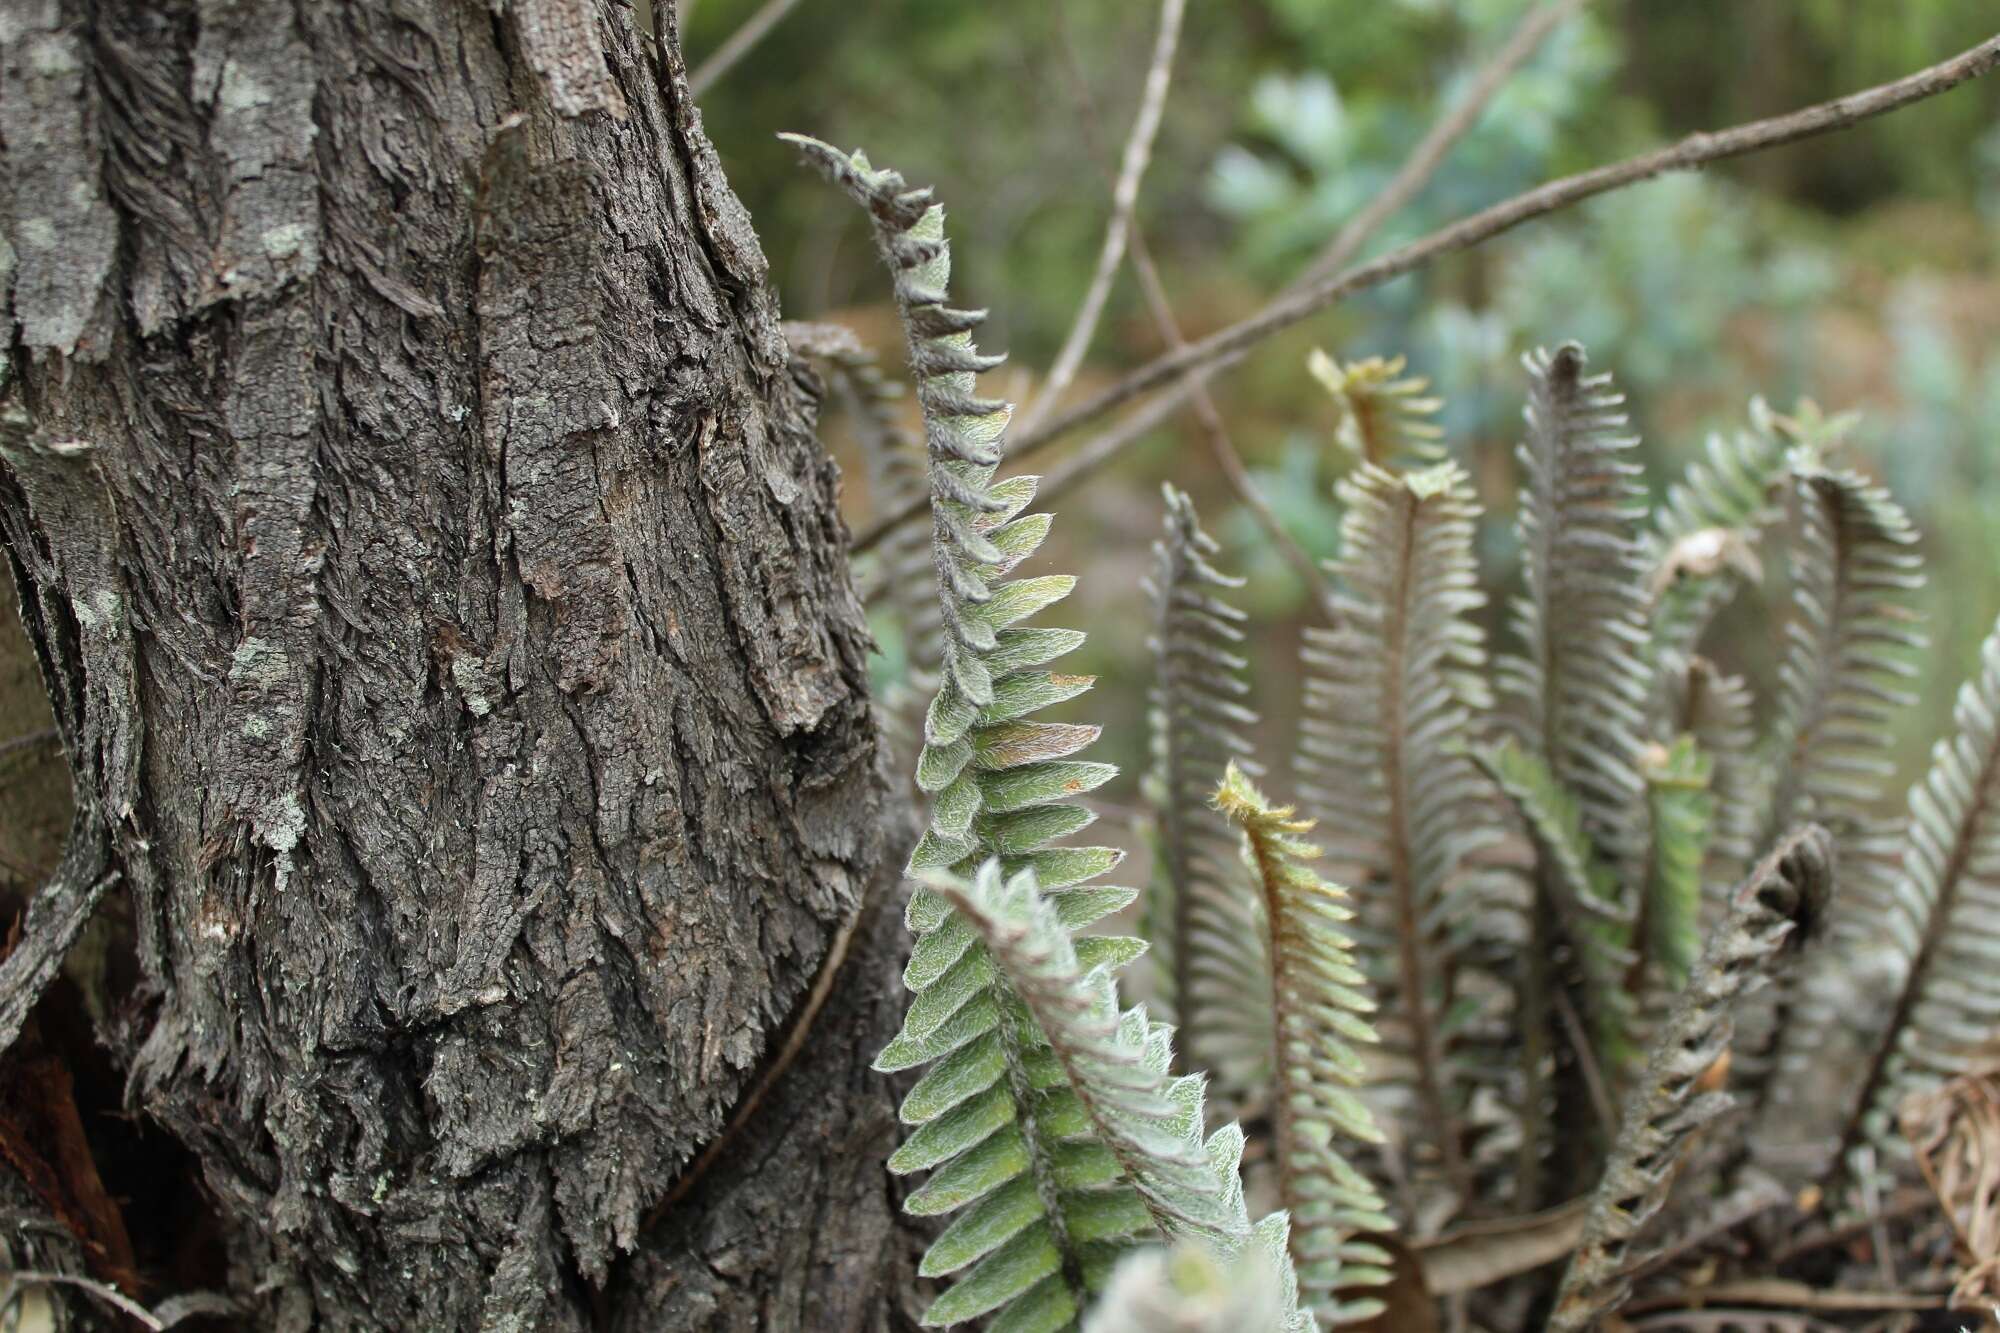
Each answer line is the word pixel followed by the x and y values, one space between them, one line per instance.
pixel 1386 417
pixel 1204 929
pixel 1770 916
pixel 1391 692
pixel 1320 1006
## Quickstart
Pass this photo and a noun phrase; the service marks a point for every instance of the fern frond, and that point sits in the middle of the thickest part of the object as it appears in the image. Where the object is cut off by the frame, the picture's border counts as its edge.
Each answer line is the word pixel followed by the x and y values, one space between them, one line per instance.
pixel 1942 918
pixel 1002 787
pixel 1320 1006
pixel 1770 915
pixel 1848 641
pixel 1391 691
pixel 1212 972
pixel 1704 538
pixel 1582 891
pixel 1190 1289
pixel 1577 678
pixel 1677 780
pixel 1386 417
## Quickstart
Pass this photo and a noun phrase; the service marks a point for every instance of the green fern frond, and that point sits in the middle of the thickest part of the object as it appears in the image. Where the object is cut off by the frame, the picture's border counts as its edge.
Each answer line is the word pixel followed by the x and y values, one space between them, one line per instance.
pixel 1002 786
pixel 1386 417
pixel 1320 1006
pixel 1704 539
pixel 1774 911
pixel 1583 891
pixel 1942 918
pixel 1577 678
pixel 1211 971
pixel 1391 691
pixel 1678 779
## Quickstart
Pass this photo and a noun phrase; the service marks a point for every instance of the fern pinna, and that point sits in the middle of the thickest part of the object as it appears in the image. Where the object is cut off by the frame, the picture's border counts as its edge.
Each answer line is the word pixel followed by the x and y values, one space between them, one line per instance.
pixel 1319 1006
pixel 1392 690
pixel 1045 1113
pixel 1199 915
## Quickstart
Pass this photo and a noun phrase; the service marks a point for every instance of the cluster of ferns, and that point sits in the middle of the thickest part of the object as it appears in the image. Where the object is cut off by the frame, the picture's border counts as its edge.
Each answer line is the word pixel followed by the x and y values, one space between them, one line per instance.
pixel 1592 967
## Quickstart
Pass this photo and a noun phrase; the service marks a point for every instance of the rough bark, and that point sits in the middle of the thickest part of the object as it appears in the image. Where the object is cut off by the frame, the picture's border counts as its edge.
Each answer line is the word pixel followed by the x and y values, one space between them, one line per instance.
pixel 441 594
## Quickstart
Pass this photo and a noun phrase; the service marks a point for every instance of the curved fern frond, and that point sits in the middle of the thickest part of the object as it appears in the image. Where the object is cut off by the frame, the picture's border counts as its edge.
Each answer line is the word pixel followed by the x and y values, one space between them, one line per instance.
pixel 1320 1006
pixel 1704 538
pixel 1943 917
pixel 1770 915
pixel 1002 786
pixel 1391 691
pixel 1577 678
pixel 1677 778
pixel 1848 641
pixel 1386 417
pixel 1582 891
pixel 1211 970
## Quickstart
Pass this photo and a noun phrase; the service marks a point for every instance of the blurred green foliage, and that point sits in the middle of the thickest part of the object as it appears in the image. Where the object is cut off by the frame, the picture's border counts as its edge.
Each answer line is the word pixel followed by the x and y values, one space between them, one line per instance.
pixel 1860 269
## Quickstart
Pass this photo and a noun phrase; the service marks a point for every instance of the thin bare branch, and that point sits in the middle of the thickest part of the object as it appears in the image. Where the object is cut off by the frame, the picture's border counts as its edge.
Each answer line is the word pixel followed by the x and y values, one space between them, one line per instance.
pixel 1183 367
pixel 1124 200
pixel 738 45
pixel 1443 135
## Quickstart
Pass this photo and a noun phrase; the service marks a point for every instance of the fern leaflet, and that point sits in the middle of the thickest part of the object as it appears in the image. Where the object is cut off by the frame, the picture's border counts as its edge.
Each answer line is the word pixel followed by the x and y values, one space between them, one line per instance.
pixel 1385 416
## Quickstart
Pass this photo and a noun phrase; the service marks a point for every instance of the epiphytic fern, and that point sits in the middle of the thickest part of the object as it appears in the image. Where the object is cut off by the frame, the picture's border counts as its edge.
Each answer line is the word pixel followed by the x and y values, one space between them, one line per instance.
pixel 1770 915
pixel 1385 416
pixel 1002 783
pixel 1391 692
pixel 1319 1007
pixel 1201 921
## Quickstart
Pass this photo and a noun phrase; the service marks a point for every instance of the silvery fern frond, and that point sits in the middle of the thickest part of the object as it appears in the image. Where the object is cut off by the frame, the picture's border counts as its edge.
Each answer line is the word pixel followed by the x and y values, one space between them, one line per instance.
pixel 1191 1289
pixel 1002 788
pixel 1386 417
pixel 1941 921
pixel 1320 1006
pixel 1848 643
pixel 1203 925
pixel 1775 910
pixel 1391 692
pixel 1577 677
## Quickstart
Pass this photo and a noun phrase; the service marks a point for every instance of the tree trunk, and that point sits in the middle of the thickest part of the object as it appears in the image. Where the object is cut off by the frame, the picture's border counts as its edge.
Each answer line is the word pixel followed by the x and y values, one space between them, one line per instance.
pixel 422 532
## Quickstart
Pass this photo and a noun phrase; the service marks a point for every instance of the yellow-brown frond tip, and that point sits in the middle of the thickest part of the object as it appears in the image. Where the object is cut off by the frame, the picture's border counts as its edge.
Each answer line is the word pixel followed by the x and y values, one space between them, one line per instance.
pixel 1382 411
pixel 1237 797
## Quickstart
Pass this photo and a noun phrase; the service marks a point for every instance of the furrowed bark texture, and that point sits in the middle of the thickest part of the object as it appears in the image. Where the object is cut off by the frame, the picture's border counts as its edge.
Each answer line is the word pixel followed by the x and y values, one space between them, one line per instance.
pixel 442 595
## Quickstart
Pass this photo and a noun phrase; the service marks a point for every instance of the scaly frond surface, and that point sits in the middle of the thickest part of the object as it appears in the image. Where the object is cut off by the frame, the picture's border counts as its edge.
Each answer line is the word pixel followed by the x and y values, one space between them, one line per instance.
pixel 1003 788
pixel 1771 915
pixel 1320 1004
pixel 1386 418
pixel 1678 778
pixel 1205 927
pixel 1391 693
pixel 1717 712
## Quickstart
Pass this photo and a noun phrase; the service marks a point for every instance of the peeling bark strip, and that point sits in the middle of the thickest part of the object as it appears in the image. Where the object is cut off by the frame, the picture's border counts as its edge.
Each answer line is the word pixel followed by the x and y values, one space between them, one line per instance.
pixel 445 605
